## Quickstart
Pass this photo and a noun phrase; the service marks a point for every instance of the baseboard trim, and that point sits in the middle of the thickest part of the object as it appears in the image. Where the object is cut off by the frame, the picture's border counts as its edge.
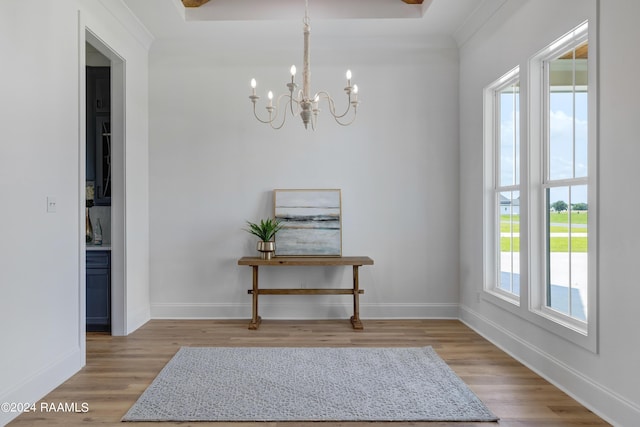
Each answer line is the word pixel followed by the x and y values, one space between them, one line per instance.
pixel 299 311
pixel 137 319
pixel 41 382
pixel 602 401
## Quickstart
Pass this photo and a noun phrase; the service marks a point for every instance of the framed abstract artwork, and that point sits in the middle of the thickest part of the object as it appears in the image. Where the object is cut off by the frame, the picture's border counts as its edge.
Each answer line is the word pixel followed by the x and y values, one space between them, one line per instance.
pixel 312 222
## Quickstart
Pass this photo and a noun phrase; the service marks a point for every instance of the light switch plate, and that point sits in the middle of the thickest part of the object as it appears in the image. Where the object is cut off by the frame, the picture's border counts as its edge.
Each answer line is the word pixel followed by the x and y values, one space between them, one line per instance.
pixel 51 204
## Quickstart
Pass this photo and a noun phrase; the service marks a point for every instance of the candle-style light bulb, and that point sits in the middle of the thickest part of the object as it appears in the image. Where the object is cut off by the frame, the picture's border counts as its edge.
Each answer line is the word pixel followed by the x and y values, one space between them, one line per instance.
pixel 253 86
pixel 355 89
pixel 293 77
pixel 270 96
pixel 348 74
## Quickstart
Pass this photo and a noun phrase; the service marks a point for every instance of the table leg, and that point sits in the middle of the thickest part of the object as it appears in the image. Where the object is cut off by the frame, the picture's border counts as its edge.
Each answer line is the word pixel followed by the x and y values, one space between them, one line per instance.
pixel 255 319
pixel 355 319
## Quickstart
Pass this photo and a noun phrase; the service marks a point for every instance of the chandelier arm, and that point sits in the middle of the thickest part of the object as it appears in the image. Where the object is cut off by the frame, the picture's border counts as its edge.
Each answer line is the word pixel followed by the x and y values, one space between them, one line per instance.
pixel 284 119
pixel 291 106
pixel 272 119
pixel 349 122
pixel 284 112
pixel 336 117
pixel 259 119
pixel 332 106
pixel 296 101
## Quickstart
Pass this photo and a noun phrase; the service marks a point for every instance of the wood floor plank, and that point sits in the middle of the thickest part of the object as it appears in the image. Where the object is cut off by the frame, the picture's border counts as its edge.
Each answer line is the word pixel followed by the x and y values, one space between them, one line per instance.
pixel 119 369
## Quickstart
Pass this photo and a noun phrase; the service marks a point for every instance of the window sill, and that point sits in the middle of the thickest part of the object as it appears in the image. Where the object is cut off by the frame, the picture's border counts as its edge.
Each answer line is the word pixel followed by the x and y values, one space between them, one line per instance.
pixel 548 320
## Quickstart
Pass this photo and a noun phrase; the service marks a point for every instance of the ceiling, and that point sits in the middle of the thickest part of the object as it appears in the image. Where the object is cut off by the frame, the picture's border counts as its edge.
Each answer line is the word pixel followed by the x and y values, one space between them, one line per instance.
pixel 198 3
pixel 221 10
pixel 229 20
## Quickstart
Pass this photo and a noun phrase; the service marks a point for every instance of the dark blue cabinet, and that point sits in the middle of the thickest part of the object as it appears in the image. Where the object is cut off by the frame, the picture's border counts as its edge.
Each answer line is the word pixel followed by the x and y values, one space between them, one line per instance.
pixel 98 291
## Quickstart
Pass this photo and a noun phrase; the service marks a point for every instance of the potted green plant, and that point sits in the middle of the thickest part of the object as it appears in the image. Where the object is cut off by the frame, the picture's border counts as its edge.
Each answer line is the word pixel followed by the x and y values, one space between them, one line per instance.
pixel 265 231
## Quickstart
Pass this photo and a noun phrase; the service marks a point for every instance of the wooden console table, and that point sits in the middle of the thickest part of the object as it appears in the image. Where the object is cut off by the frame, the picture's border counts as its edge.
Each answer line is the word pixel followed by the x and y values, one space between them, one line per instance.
pixel 355 261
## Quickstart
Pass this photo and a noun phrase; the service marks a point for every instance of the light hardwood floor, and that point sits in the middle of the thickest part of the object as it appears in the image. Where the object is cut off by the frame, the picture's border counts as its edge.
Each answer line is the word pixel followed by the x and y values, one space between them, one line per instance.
pixel 119 369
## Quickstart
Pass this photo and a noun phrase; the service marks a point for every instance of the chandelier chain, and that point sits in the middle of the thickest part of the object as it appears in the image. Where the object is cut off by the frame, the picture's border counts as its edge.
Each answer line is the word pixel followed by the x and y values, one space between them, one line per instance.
pixel 306 20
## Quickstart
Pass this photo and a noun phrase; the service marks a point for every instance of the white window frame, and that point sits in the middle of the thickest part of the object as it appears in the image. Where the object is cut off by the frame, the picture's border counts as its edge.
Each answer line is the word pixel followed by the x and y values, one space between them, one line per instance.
pixel 493 187
pixel 531 304
pixel 581 333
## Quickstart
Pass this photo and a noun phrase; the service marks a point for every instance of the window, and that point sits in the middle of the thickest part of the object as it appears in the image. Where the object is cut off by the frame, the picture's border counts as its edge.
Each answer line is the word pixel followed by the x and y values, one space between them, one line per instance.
pixel 502 153
pixel 566 184
pixel 562 211
pixel 540 200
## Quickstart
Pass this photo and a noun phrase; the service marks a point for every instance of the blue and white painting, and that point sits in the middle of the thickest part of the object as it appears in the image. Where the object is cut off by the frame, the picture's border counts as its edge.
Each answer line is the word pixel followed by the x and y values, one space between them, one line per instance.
pixel 311 222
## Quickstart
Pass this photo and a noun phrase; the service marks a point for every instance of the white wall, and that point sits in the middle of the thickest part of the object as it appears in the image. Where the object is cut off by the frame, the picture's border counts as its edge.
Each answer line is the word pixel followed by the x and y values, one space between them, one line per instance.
pixel 213 166
pixel 607 381
pixel 117 28
pixel 39 251
pixel 42 254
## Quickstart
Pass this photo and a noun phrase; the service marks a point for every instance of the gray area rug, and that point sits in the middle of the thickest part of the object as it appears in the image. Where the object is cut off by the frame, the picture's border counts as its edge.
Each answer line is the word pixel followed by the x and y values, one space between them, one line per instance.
pixel 308 384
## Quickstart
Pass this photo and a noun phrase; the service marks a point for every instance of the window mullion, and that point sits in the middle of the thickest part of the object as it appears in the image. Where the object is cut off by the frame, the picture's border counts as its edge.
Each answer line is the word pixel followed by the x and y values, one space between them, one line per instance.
pixel 570 252
pixel 565 182
pixel 497 134
pixel 573 100
pixel 515 133
pixel 546 110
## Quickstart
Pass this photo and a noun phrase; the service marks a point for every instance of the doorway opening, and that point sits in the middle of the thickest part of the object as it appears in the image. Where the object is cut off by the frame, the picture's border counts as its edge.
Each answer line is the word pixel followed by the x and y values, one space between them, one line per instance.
pixel 104 184
pixel 98 190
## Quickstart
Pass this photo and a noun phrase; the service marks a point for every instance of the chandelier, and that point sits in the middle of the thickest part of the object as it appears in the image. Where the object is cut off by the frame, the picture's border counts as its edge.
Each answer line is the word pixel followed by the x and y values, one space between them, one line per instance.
pixel 302 103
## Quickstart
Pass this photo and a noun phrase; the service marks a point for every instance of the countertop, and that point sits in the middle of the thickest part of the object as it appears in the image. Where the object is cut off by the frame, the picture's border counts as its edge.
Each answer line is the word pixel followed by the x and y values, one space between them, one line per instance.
pixel 103 247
